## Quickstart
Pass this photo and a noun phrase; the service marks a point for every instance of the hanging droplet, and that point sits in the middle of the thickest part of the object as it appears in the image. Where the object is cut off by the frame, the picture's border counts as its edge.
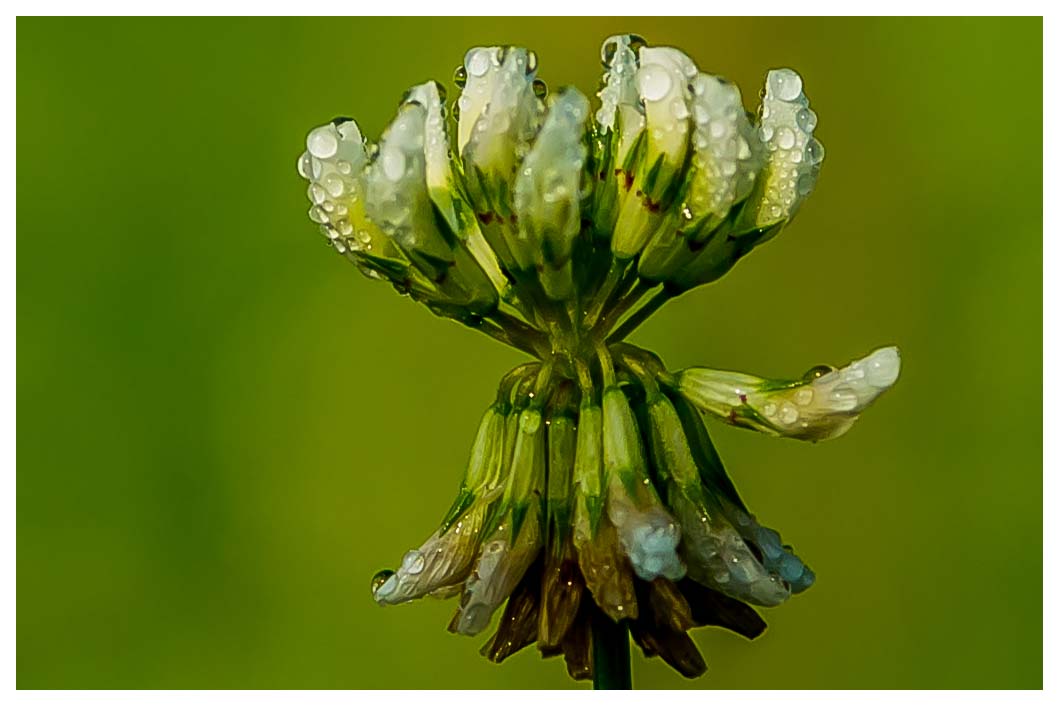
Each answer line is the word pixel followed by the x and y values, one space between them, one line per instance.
pixel 305 165
pixel 531 63
pixel 540 88
pixel 806 119
pixel 380 579
pixel 459 77
pixel 817 371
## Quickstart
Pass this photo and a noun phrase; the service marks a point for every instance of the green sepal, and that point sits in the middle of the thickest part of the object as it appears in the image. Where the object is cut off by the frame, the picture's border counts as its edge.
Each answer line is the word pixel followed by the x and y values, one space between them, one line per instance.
pixel 711 470
pixel 464 499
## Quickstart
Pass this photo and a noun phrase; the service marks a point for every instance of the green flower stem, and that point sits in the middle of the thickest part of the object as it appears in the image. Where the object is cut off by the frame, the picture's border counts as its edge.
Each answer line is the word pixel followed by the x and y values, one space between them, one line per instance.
pixel 507 336
pixel 610 653
pixel 631 299
pixel 521 331
pixel 599 299
pixel 639 316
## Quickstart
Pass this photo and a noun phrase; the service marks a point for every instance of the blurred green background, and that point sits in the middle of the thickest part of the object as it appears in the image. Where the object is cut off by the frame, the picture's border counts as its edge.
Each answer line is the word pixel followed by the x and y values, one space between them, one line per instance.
pixel 224 430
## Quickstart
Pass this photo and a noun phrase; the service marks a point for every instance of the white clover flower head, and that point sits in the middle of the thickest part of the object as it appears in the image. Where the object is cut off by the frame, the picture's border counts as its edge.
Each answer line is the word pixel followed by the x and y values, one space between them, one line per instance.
pixel 593 490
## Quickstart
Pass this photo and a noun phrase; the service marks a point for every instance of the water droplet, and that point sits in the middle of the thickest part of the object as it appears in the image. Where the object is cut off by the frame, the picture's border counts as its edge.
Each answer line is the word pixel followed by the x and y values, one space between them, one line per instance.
pixel 655 82
pixel 844 398
pixel 393 163
pixel 323 142
pixel 806 119
pixel 459 77
pixel 531 63
pixel 413 562
pixel 769 410
pixel 609 49
pixel 803 396
pixel 806 182
pixel 785 138
pixel 317 193
pixel 788 415
pixel 815 150
pixel 380 579
pixel 334 185
pixel 817 371
pixel 744 149
pixel 478 64
pixel 317 215
pixel 785 84
pixel 540 88
pixel 305 165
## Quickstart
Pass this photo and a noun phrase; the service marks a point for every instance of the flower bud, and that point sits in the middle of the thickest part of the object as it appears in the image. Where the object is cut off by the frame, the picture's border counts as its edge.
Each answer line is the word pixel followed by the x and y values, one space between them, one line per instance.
pixel 605 569
pixel 517 538
pixel 548 196
pixel 397 200
pixel 824 404
pixel 620 121
pixel 726 158
pixel 333 163
pixel 716 553
pixel 443 188
pixel 445 559
pixel 793 156
pixel 561 584
pixel 649 535
pixel 662 81
pixel 499 114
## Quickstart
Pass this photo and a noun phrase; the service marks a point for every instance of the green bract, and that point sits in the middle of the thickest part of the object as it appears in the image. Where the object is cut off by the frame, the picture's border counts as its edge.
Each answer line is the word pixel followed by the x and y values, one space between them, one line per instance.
pixel 593 488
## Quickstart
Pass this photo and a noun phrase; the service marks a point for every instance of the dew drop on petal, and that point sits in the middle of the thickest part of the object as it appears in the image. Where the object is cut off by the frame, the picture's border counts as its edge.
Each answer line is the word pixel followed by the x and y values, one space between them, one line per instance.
pixel 305 165
pixel 785 138
pixel 655 82
pixel 393 163
pixel 413 562
pixel 815 150
pixel 806 119
pixel 785 84
pixel 788 415
pixel 478 64
pixel 323 142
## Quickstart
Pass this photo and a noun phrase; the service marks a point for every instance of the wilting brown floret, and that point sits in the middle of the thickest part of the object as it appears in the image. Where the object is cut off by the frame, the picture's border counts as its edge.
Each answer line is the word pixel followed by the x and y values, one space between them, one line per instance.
pixel 668 604
pixel 577 643
pixel 518 626
pixel 709 607
pixel 561 591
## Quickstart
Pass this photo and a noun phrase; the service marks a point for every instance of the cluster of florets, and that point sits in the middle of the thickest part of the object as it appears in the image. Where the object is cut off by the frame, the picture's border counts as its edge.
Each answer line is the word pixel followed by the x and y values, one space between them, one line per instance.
pixel 593 488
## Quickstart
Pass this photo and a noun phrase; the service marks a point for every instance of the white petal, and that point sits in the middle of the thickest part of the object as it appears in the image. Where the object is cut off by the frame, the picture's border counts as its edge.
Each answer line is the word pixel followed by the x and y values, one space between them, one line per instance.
pixel 820 408
pixel 619 96
pixel 727 152
pixel 793 155
pixel 547 189
pixel 662 80
pixel 498 110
